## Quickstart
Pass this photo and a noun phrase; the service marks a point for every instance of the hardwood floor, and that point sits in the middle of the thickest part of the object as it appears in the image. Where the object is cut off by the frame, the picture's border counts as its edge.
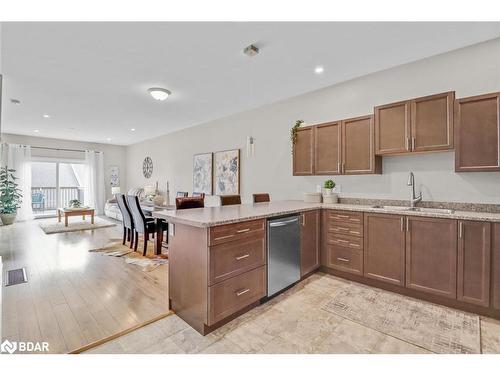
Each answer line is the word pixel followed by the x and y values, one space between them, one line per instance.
pixel 74 297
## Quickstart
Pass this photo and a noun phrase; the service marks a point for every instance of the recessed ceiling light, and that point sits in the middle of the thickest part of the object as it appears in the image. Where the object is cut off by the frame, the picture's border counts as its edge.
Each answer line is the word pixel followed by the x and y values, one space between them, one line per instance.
pixel 319 70
pixel 158 93
pixel 108 139
pixel 36 130
pixel 133 129
pixel 46 116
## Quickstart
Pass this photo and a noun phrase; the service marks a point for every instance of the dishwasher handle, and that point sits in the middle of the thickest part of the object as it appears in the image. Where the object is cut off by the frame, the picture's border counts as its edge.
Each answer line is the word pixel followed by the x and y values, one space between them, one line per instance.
pixel 283 222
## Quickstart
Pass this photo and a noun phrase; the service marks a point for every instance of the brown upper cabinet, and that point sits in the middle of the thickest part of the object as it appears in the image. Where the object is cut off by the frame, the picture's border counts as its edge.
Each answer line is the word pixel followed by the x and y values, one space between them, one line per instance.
pixel 477 134
pixel 358 154
pixel 340 147
pixel 417 125
pixel 303 151
pixel 327 148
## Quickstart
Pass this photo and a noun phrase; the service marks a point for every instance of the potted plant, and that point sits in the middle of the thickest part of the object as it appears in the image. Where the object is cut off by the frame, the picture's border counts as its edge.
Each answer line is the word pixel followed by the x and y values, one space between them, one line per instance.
pixel 329 186
pixel 10 196
pixel 328 196
pixel 75 203
pixel 293 132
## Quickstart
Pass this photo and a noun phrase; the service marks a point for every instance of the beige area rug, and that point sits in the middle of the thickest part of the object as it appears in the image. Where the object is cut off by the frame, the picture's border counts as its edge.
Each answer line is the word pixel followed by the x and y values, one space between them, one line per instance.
pixel 432 327
pixel 75 224
pixel 148 263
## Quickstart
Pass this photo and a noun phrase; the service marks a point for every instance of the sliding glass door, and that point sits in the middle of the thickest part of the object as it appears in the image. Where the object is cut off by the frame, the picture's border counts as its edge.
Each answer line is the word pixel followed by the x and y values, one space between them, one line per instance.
pixel 54 184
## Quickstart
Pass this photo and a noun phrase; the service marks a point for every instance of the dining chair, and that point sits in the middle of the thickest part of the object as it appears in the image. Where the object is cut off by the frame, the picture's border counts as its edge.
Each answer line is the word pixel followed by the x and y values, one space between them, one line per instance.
pixel 227 200
pixel 182 194
pixel 142 225
pixel 261 197
pixel 128 222
pixel 189 202
pixel 195 194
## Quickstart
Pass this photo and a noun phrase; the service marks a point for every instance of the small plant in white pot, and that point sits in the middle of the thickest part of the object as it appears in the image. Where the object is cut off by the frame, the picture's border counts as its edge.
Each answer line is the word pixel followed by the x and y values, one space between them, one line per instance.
pixel 10 196
pixel 328 195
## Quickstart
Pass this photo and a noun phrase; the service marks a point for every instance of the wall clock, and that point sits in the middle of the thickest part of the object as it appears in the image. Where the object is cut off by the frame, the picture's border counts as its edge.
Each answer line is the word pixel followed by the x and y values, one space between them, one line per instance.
pixel 147 167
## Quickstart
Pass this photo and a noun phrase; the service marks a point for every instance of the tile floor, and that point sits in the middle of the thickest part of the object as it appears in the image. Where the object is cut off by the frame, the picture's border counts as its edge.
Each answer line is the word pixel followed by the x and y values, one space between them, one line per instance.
pixel 290 323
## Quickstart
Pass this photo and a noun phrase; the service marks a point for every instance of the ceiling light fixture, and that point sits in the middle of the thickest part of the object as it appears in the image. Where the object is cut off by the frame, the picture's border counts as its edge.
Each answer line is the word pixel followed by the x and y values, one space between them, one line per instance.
pixel 36 130
pixel 132 130
pixel 108 139
pixel 46 116
pixel 158 93
pixel 319 70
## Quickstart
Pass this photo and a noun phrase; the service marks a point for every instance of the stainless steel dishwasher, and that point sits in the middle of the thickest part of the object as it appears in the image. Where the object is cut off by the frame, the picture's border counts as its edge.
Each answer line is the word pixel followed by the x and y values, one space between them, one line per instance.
pixel 283 253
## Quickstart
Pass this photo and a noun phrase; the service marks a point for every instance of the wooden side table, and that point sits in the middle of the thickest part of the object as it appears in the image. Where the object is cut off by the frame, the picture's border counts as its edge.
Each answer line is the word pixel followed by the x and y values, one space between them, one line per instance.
pixel 67 212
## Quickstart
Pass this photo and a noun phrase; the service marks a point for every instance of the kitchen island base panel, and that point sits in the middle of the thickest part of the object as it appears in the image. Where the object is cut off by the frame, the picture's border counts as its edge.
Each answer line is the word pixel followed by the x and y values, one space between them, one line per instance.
pixel 448 302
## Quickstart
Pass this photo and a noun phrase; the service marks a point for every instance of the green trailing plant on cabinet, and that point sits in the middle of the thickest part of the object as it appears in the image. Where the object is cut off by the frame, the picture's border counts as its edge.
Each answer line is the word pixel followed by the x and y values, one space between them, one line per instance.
pixel 293 132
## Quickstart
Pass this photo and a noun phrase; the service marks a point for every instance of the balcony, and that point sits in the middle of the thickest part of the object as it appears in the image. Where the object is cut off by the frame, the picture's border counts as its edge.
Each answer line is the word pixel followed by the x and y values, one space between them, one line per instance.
pixel 44 199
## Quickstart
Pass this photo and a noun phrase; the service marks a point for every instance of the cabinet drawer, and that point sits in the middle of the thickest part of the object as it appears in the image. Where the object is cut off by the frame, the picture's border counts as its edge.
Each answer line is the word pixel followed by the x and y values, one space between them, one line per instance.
pixel 345 228
pixel 351 242
pixel 236 257
pixel 345 216
pixel 344 259
pixel 231 232
pixel 234 294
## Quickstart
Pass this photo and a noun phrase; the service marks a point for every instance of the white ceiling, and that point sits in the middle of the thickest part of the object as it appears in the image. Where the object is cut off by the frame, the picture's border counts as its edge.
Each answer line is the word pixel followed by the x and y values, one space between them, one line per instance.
pixel 91 78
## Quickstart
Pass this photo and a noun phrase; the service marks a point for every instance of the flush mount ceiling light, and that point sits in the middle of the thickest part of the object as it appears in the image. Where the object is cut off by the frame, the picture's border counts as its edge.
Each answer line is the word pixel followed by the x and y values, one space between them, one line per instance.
pixel 36 131
pixel 46 116
pixel 158 93
pixel 319 69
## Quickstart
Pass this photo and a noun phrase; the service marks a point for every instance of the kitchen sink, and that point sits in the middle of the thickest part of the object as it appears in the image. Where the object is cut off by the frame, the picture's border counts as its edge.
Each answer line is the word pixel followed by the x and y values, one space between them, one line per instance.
pixel 417 209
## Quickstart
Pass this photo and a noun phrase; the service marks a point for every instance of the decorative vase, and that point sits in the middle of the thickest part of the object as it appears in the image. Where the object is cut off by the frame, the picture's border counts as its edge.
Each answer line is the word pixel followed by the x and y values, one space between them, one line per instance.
pixel 8 219
pixel 158 200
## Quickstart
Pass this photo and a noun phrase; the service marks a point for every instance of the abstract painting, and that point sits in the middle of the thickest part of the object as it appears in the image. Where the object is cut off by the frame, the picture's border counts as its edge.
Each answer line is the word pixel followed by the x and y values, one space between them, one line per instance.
pixel 202 173
pixel 227 172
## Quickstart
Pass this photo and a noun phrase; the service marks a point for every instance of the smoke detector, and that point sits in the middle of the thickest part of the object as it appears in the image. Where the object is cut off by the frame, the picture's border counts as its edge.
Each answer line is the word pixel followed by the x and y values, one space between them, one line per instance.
pixel 251 50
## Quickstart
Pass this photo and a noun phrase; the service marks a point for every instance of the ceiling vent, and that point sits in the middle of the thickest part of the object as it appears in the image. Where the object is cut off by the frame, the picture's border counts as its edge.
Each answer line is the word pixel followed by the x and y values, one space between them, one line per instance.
pixel 251 50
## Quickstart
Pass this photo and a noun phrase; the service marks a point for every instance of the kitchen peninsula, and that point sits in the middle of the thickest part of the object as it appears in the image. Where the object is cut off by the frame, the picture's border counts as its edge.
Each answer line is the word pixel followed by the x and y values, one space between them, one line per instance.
pixel 218 255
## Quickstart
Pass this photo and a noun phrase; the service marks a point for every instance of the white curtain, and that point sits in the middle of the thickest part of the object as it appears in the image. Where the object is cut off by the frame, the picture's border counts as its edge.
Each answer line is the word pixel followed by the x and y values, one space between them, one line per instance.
pixel 18 157
pixel 94 181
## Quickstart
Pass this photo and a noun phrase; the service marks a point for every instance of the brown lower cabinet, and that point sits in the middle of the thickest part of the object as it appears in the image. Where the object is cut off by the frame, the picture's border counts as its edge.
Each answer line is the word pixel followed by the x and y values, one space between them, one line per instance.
pixel 431 255
pixel 384 254
pixel 495 266
pixel 310 236
pixel 474 263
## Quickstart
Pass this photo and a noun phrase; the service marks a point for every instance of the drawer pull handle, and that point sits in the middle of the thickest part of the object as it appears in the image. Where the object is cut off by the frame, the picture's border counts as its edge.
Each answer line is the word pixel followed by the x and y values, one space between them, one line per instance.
pixel 241 292
pixel 342 228
pixel 354 244
pixel 352 231
pixel 222 237
pixel 242 257
pixel 343 260
pixel 343 241
pixel 342 216
pixel 243 230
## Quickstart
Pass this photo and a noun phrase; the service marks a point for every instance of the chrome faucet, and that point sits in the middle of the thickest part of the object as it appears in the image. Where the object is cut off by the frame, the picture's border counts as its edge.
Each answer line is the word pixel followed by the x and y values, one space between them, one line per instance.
pixel 413 198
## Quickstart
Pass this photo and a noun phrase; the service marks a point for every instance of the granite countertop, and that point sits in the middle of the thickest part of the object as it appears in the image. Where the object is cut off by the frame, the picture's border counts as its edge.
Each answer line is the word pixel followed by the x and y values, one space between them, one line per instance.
pixel 213 216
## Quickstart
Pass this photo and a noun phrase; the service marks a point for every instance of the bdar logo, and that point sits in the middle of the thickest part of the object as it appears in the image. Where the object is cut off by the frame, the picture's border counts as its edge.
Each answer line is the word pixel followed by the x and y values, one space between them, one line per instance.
pixel 8 347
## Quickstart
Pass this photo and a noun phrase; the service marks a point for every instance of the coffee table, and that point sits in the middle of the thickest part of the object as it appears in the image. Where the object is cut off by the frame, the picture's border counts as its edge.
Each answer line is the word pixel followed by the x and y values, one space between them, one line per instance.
pixel 67 212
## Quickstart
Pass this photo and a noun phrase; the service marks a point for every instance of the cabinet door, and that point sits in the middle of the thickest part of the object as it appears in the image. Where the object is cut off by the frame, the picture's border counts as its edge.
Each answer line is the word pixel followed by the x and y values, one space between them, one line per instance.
pixel 431 255
pixel 327 150
pixel 495 269
pixel 309 239
pixel 303 161
pixel 432 122
pixel 477 134
pixel 474 251
pixel 384 257
pixel 358 156
pixel 392 128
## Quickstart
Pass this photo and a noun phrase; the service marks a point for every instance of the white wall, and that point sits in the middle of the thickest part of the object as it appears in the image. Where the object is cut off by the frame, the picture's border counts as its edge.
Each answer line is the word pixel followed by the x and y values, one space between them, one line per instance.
pixel 113 155
pixel 469 71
